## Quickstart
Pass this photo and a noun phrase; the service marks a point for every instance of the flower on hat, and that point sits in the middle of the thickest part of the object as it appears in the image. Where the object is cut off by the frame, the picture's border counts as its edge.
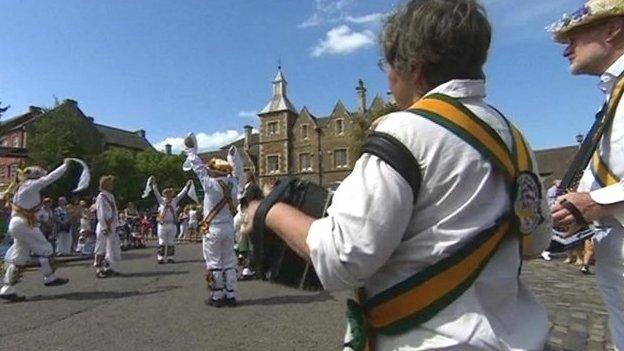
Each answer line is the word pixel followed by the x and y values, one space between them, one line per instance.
pixel 592 10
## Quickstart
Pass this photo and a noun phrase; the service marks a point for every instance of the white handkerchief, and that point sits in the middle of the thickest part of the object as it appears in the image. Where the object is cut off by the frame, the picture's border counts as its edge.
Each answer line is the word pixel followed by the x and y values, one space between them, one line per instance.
pixel 148 187
pixel 85 176
pixel 192 194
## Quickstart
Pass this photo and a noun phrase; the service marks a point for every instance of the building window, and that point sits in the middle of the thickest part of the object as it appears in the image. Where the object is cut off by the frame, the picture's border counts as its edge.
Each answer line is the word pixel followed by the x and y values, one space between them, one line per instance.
pixel 340 158
pixel 16 141
pixel 339 126
pixel 5 142
pixel 272 128
pixel 304 131
pixel 273 164
pixel 304 162
pixel 13 169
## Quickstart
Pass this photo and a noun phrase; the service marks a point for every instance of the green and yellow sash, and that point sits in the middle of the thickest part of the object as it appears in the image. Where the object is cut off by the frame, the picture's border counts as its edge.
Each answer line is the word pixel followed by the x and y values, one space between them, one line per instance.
pixel 421 296
pixel 602 174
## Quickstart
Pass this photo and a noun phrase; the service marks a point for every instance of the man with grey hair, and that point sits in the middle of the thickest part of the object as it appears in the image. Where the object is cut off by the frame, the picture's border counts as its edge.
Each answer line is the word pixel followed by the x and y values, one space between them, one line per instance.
pixel 435 260
pixel 594 39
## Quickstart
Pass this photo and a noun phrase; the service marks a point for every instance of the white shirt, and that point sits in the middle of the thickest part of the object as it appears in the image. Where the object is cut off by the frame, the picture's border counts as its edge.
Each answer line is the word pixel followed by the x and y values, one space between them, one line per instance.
pixel 169 215
pixel 611 148
pixel 212 190
pixel 106 211
pixel 27 195
pixel 374 237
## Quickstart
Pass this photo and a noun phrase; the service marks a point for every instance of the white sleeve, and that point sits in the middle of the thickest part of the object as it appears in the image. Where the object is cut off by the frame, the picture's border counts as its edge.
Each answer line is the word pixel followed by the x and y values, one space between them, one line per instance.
pixel 50 177
pixel 366 221
pixel 183 192
pixel 102 211
pixel 196 163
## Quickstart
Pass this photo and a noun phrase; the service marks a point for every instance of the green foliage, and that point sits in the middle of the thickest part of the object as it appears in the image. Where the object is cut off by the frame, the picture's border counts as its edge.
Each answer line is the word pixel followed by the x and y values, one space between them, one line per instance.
pixel 61 132
pixel 363 123
pixel 132 169
pixel 58 134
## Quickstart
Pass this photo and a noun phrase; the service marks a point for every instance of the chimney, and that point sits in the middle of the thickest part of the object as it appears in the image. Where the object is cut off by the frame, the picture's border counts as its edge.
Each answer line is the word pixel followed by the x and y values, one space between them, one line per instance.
pixel 71 102
pixel 361 91
pixel 91 119
pixel 248 130
pixel 168 149
pixel 35 110
pixel 141 133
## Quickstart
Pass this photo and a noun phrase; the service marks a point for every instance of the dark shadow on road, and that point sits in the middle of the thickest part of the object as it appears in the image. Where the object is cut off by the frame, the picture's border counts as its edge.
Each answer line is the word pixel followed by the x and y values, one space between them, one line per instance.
pixel 150 274
pixel 189 261
pixel 100 295
pixel 132 255
pixel 287 299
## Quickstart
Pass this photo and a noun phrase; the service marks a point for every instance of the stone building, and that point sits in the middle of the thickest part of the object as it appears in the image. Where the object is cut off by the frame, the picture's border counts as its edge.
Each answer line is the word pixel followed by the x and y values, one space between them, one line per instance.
pixel 293 142
pixel 14 133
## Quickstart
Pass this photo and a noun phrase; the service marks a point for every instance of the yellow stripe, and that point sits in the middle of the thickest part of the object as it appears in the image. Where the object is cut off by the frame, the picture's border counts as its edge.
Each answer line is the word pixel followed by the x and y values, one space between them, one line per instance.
pixel 604 174
pixel 433 289
pixel 524 161
pixel 451 113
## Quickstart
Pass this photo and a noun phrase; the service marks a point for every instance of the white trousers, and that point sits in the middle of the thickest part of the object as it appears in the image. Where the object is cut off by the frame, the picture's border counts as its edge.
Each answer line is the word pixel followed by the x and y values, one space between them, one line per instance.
pixel 218 248
pixel 609 247
pixel 167 233
pixel 108 246
pixel 63 243
pixel 26 240
pixel 183 230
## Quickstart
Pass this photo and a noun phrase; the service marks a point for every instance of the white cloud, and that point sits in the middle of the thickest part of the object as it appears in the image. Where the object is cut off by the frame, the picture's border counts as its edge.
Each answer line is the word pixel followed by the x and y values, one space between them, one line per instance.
pixel 248 114
pixel 342 40
pixel 206 142
pixel 370 18
pixel 326 11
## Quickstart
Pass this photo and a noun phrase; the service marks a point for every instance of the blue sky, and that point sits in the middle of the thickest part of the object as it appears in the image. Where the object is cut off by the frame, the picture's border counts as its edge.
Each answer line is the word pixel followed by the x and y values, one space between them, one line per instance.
pixel 171 67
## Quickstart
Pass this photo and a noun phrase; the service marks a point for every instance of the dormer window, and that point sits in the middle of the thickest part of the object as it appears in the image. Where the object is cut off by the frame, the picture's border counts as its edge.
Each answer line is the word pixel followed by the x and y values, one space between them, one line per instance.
pixel 304 131
pixel 340 158
pixel 339 126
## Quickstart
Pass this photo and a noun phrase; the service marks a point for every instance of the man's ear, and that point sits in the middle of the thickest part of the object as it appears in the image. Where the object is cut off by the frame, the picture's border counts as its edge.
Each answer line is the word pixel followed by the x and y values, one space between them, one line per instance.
pixel 615 29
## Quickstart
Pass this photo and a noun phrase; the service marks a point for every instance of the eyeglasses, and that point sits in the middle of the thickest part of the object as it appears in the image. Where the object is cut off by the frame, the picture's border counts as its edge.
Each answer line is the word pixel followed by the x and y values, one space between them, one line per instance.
pixel 384 65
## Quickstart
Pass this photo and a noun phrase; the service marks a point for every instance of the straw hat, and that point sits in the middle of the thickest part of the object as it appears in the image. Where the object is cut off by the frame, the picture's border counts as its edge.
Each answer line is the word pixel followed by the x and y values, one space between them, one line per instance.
pixel 592 11
pixel 219 165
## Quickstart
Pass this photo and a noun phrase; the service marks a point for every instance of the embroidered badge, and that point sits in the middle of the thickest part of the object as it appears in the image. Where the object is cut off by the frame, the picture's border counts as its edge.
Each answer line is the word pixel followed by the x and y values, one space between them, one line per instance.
pixel 527 202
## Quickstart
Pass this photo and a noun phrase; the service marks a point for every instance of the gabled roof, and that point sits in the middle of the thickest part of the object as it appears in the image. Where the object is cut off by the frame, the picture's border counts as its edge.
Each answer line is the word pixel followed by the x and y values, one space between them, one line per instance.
pixel 554 162
pixel 20 120
pixel 119 137
pixel 377 103
pixel 339 109
pixel 306 113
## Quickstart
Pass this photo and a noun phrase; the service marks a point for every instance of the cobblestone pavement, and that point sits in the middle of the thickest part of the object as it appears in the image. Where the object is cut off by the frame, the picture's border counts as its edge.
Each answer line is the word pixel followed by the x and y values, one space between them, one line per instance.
pixel 577 315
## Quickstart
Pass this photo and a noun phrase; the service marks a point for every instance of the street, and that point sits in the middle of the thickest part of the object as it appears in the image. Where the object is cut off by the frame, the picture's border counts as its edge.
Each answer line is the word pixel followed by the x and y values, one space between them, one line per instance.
pixel 161 307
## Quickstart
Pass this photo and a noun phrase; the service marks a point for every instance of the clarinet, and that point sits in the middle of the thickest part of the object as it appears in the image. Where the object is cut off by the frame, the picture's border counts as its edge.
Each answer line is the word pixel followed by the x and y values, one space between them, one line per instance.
pixel 572 177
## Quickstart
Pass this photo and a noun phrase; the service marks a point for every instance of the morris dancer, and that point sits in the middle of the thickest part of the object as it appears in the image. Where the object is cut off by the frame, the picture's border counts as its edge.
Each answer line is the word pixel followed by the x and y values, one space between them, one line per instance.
pixel 217 227
pixel 23 227
pixel 167 219
pixel 107 245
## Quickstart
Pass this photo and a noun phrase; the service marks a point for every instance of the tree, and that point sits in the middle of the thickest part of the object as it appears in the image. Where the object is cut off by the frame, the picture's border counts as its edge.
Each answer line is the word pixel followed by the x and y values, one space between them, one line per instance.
pixel 58 134
pixel 363 124
pixel 3 109
pixel 132 169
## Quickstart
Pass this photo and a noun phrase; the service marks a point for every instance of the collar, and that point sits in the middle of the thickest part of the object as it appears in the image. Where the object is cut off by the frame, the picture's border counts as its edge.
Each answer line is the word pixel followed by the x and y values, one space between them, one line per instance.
pixel 608 78
pixel 461 88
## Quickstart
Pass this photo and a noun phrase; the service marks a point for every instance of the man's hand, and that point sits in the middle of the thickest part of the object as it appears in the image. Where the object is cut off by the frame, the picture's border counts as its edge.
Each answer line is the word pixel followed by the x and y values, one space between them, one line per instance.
pixel 248 216
pixel 563 219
